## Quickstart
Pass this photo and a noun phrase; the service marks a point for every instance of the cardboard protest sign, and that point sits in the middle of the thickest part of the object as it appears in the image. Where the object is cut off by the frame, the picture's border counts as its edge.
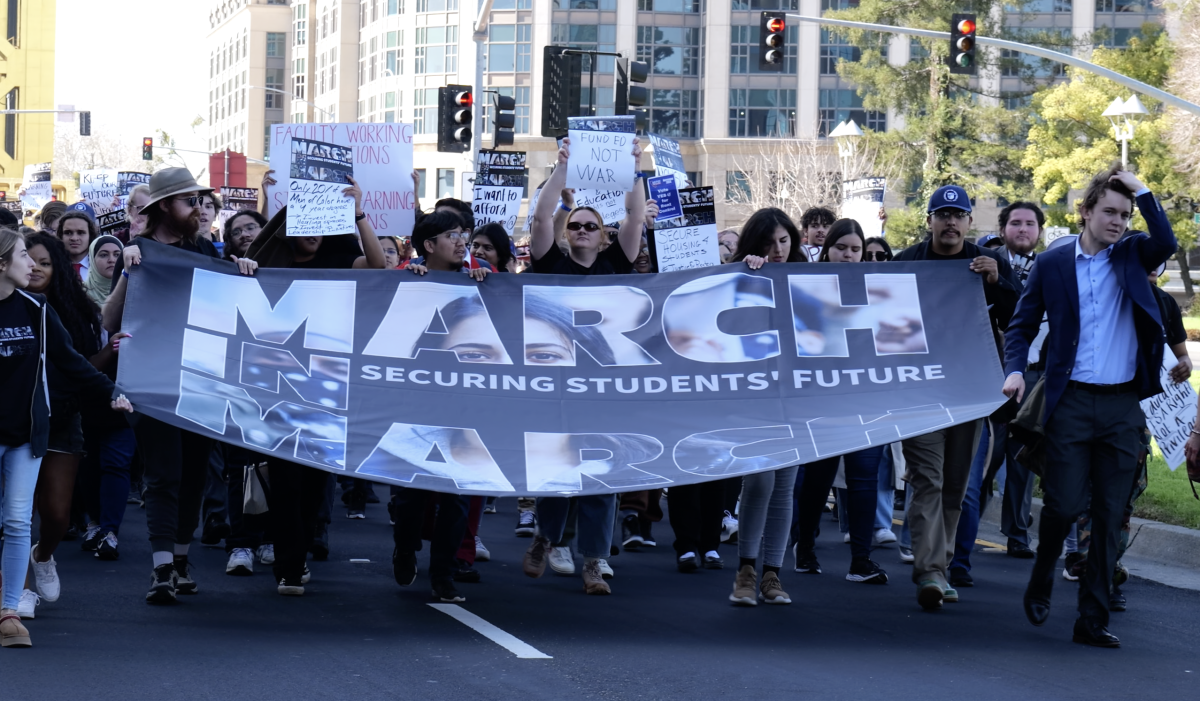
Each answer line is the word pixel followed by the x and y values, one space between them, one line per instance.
pixel 665 192
pixel 35 187
pixel 862 200
pixel 317 175
pixel 500 181
pixel 689 241
pixel 609 203
pixel 383 168
pixel 114 223
pixel 1171 415
pixel 667 159
pixel 100 189
pixel 601 153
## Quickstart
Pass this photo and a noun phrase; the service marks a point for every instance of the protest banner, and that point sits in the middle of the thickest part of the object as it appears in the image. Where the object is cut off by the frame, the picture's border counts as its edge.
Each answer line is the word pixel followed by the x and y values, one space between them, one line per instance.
pixel 862 201
pixel 100 189
pixel 114 223
pixel 689 241
pixel 499 184
pixel 609 203
pixel 318 174
pixel 429 382
pixel 234 200
pixel 1170 416
pixel 35 186
pixel 601 153
pixel 664 190
pixel 668 160
pixel 383 167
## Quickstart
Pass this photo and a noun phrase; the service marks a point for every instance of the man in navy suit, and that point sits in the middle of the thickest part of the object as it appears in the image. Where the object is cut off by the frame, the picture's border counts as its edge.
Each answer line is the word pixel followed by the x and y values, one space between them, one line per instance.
pixel 1102 356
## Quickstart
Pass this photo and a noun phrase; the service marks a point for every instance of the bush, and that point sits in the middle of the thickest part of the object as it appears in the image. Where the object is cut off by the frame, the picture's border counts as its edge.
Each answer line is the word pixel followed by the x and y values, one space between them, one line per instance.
pixel 1193 334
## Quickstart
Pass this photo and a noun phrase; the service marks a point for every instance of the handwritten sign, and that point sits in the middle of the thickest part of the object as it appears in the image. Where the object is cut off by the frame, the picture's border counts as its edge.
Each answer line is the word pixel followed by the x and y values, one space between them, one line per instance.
pixel 35 186
pixel 665 192
pixel 1172 414
pixel 500 181
pixel 601 153
pixel 382 166
pixel 667 159
pixel 533 200
pixel 99 188
pixel 689 241
pixel 609 203
pixel 862 200
pixel 317 175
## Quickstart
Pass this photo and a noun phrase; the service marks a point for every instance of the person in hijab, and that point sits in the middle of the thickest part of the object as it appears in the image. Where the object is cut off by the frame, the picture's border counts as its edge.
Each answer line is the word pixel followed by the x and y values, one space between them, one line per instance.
pixel 103 253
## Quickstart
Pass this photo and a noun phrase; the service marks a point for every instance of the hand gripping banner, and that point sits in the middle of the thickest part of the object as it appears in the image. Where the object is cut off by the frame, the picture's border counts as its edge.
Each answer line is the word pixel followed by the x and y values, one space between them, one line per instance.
pixel 538 385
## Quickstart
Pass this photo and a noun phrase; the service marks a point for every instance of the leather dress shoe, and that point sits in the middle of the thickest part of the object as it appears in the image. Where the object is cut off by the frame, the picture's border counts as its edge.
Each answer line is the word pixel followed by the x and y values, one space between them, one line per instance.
pixel 1020 550
pixel 1116 600
pixel 1094 634
pixel 1037 609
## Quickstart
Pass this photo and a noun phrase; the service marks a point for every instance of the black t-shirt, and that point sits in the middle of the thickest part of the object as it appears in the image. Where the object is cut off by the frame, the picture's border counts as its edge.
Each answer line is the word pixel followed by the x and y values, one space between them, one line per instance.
pixel 1172 318
pixel 18 370
pixel 610 261
pixel 200 245
pixel 334 261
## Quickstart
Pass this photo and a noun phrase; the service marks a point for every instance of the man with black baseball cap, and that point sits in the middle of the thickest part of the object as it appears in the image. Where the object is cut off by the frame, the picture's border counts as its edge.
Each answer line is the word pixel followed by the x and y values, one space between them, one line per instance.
pixel 939 463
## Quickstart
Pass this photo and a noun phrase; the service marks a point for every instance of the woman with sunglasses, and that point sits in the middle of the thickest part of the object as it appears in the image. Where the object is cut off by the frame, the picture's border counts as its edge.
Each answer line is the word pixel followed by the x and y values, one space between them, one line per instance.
pixel 844 243
pixel 877 250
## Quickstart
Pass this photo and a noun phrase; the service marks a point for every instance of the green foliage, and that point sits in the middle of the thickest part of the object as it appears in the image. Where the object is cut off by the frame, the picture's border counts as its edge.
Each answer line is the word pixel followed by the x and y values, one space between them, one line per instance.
pixel 1168 496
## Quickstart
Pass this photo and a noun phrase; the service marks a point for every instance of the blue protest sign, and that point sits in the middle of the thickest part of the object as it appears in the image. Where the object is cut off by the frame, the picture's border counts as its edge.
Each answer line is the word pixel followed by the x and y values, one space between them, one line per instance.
pixel 665 192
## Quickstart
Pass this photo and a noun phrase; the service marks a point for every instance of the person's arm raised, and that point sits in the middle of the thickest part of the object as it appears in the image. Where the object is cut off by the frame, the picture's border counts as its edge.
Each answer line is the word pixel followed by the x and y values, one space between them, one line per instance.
pixel 541 232
pixel 630 236
pixel 372 250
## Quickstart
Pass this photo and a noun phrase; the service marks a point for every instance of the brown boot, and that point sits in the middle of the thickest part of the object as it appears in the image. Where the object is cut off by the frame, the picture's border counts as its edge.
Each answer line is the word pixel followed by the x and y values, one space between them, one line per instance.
pixel 593 580
pixel 12 632
pixel 535 557
pixel 745 587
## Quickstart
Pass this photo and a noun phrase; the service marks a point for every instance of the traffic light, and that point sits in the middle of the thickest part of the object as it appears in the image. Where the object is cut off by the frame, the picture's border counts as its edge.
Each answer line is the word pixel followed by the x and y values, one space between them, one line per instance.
pixel 628 90
pixel 962 44
pixel 504 121
pixel 85 123
pixel 454 119
pixel 771 31
pixel 562 93
pixel 148 148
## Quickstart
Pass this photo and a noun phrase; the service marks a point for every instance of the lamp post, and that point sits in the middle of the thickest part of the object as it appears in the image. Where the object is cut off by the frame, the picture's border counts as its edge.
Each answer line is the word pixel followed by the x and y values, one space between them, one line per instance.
pixel 846 135
pixel 1123 115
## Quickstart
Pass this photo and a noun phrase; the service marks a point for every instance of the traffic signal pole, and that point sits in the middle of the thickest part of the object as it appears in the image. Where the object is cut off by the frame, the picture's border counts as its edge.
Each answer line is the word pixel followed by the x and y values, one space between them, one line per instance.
pixel 480 36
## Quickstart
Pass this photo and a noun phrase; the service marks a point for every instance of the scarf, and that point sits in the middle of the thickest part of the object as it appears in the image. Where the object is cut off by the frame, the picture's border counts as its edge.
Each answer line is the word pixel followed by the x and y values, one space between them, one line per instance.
pixel 96 285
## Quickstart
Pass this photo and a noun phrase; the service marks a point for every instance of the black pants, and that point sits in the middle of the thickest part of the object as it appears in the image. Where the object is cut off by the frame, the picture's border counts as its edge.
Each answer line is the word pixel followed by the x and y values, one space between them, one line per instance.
pixel 296 495
pixel 245 530
pixel 695 511
pixel 813 482
pixel 176 461
pixel 449 526
pixel 1093 445
pixel 1015 514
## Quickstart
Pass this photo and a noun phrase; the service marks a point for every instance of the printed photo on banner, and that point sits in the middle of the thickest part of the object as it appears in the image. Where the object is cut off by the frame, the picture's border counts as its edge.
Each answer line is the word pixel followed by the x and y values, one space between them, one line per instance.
pixel 317 205
pixel 35 186
pixel 892 313
pixel 667 159
pixel 862 201
pixel 234 200
pixel 100 189
pixel 114 223
pixel 499 184
pixel 601 153
pixel 689 240
pixel 383 166
pixel 664 190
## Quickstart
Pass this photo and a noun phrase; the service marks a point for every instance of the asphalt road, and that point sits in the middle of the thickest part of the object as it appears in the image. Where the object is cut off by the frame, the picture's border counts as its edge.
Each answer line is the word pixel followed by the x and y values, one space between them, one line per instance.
pixel 357 635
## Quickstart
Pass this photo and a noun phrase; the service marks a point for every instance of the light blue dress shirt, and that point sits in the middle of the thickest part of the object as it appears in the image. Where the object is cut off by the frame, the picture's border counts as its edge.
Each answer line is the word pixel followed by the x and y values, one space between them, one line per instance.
pixel 1107 352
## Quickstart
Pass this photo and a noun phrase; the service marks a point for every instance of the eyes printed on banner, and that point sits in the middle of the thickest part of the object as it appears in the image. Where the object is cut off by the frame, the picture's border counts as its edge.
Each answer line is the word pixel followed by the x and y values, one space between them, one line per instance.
pixel 560 321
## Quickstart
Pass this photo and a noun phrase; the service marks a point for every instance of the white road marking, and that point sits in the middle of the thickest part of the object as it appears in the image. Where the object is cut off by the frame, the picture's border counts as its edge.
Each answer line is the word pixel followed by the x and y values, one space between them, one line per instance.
pixel 508 641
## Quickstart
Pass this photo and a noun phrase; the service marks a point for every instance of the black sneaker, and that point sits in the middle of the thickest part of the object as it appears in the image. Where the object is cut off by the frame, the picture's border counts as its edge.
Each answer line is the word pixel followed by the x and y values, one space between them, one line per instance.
pixel 391 507
pixel 489 505
pixel 404 566
pixel 214 532
pixel 687 562
pixel 806 562
pixel 444 591
pixel 464 572
pixel 1074 567
pixel 356 505
pixel 357 514
pixel 319 546
pixel 960 578
pixel 91 540
pixel 1116 600
pixel 290 586
pixel 108 547
pixel 526 524
pixel 184 584
pixel 631 533
pixel 863 569
pixel 162 585
pixel 647 537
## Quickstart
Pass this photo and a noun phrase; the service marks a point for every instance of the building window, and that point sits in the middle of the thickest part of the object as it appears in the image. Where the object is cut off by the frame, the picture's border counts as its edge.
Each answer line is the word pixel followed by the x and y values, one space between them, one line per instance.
pixel 437 50
pixel 333 70
pixel 437 5
pixel 695 178
pixel 274 82
pixel 276 44
pixel 670 50
pixel 373 60
pixel 835 48
pixel 512 5
pixel 1123 6
pixel 737 186
pixel 521 96
pixel 509 47
pixel 589 37
pixel 300 25
pixel 298 76
pixel 420 182
pixel 394 57
pixel 14 33
pixel 675 113
pixel 669 5
pixel 839 104
pixel 768 4
pixel 759 113
pixel 11 102
pixel 606 5
pixel 425 104
pixel 445 182
pixel 743 53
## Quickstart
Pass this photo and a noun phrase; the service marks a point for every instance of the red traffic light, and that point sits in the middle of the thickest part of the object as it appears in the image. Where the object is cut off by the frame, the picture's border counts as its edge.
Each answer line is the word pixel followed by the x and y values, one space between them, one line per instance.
pixel 148 141
pixel 463 99
pixel 775 24
pixel 966 26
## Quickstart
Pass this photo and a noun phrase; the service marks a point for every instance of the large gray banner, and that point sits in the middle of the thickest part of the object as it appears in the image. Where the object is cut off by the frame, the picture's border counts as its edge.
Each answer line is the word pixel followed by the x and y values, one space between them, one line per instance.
pixel 538 384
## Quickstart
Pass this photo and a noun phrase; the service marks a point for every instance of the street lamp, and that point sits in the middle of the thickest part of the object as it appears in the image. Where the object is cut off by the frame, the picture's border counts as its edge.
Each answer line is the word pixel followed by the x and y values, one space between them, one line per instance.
pixel 1123 115
pixel 847 135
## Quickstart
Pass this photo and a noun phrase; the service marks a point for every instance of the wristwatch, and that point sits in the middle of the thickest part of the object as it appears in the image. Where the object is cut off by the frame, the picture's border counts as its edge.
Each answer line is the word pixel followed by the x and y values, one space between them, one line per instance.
pixel 360 217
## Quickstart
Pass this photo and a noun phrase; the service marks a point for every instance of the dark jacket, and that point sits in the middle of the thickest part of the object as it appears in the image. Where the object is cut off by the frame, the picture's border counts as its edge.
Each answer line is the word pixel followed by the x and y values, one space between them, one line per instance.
pixel 1053 289
pixel 55 346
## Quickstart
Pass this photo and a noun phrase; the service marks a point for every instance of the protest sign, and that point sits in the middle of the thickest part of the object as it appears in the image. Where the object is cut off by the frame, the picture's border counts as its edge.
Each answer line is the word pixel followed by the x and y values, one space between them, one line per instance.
pixel 609 203
pixel 35 186
pixel 533 200
pixel 500 181
pixel 234 200
pixel 442 383
pixel 383 168
pixel 862 201
pixel 100 189
pixel 1171 415
pixel 601 153
pixel 127 180
pixel 667 159
pixel 14 207
pixel 689 241
pixel 318 174
pixel 664 190
pixel 114 223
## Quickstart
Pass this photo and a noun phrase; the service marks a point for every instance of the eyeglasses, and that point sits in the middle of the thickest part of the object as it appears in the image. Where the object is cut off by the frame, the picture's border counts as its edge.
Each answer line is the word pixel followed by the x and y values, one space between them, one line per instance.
pixel 881 256
pixel 586 226
pixel 247 229
pixel 948 214
pixel 193 201
pixel 454 235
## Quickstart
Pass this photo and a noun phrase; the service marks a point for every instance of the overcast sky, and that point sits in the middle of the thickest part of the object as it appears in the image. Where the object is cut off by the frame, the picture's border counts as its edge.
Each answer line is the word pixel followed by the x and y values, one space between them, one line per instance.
pixel 138 65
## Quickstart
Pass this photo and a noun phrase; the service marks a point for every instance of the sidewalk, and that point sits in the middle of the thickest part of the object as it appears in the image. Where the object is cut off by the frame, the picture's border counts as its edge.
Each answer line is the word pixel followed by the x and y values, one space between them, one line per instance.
pixel 1158 552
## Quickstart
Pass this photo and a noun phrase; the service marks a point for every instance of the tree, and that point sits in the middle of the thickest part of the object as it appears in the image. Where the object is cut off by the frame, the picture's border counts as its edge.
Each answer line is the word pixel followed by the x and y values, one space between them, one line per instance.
pixel 74 153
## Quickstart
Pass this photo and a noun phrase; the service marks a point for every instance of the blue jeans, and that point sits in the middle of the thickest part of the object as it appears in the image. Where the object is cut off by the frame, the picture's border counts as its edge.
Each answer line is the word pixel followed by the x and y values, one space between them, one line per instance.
pixel 597 513
pixel 765 515
pixel 18 479
pixel 968 520
pixel 115 455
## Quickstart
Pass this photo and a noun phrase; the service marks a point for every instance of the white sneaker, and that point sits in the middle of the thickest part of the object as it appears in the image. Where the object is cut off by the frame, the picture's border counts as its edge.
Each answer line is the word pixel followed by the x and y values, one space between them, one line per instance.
pixel 605 570
pixel 883 536
pixel 241 563
pixel 845 537
pixel 29 602
pixel 729 528
pixel 266 554
pixel 561 561
pixel 45 575
pixel 481 552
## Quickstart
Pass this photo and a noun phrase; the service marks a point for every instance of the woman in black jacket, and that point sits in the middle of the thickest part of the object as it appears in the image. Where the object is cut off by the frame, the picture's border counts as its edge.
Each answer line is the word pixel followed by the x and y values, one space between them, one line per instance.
pixel 30 335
